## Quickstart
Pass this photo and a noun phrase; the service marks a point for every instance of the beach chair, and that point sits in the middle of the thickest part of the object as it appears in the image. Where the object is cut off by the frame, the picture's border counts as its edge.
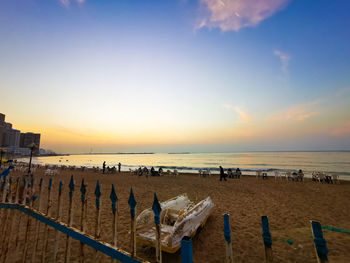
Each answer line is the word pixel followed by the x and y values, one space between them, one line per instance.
pixel 206 173
pixel 258 174
pixel 277 175
pixel 175 173
pixel 335 178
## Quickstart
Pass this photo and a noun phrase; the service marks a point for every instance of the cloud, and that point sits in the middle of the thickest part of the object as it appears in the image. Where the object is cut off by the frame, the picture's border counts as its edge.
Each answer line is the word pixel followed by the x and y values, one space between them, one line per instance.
pixel 66 3
pixel 297 113
pixel 236 14
pixel 284 58
pixel 243 116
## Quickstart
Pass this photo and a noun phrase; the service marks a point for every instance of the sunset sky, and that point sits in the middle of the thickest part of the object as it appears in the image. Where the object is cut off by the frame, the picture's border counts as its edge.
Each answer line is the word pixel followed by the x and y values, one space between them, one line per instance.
pixel 177 75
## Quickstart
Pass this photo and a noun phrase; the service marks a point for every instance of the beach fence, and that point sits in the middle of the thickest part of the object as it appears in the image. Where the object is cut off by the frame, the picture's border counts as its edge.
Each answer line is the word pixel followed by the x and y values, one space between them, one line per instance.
pixel 25 216
pixel 29 212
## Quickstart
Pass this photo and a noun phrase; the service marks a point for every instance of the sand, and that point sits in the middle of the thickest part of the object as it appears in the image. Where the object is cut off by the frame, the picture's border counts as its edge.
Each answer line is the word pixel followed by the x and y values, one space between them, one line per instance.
pixel 289 205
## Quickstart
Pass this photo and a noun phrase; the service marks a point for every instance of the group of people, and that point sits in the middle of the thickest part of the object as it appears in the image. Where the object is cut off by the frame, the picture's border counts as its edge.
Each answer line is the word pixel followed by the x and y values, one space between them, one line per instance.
pixel 152 172
pixel 110 169
pixel 230 174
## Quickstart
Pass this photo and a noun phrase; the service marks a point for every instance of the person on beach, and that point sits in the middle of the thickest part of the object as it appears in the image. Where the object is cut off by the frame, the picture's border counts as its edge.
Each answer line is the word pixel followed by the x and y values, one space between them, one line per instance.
pixel 104 167
pixel 238 173
pixel 119 166
pixel 300 175
pixel 222 174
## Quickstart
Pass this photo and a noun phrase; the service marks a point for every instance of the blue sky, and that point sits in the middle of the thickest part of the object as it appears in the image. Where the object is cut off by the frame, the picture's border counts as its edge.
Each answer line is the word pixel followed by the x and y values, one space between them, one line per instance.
pixel 206 75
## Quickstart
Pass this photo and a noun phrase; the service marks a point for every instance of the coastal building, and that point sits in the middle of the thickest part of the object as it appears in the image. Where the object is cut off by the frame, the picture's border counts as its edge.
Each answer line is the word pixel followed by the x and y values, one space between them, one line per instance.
pixel 29 138
pixel 11 138
pixel 15 141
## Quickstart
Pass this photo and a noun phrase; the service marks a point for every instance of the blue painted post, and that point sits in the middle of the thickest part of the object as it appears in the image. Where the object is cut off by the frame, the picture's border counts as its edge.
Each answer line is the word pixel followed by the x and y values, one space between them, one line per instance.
pixel 157 209
pixel 82 217
pixel 186 250
pixel 70 219
pixel 58 210
pixel 267 239
pixel 227 235
pixel 48 213
pixel 132 203
pixel 114 199
pixel 98 211
pixel 319 242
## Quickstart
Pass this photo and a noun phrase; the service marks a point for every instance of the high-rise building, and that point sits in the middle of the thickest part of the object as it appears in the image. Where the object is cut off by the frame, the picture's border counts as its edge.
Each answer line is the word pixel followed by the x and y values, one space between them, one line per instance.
pixel 2 118
pixel 14 139
pixel 11 138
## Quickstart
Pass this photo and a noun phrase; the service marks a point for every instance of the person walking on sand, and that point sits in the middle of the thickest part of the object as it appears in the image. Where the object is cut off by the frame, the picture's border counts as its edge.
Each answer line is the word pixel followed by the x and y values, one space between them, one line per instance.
pixel 104 167
pixel 119 166
pixel 222 174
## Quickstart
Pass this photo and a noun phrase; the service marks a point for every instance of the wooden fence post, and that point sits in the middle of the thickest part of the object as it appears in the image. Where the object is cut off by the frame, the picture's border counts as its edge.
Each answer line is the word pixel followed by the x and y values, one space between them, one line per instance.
pixel 70 216
pixel 31 204
pixel 267 239
pixel 227 235
pixel 37 225
pixel 319 242
pixel 6 217
pixel 157 210
pixel 132 203
pixel 20 215
pixel 186 250
pixel 48 213
pixel 17 190
pixel 82 218
pixel 57 218
pixel 13 216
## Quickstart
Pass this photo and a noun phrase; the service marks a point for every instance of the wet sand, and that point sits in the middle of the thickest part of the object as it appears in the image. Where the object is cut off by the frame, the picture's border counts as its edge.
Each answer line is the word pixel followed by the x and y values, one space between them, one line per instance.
pixel 289 205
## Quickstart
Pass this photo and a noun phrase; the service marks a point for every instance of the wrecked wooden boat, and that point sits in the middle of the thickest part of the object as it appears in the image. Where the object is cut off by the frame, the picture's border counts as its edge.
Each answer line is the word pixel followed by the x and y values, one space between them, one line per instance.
pixel 179 217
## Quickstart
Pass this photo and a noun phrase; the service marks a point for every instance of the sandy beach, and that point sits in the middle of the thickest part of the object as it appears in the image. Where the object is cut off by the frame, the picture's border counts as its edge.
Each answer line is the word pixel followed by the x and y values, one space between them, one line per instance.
pixel 289 205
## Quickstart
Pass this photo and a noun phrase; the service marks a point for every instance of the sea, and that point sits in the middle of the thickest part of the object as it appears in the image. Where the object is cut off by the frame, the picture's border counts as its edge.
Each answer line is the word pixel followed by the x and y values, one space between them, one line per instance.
pixel 248 162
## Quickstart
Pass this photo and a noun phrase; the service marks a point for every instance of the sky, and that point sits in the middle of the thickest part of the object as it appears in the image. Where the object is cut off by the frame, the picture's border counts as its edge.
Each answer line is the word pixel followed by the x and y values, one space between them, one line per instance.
pixel 177 75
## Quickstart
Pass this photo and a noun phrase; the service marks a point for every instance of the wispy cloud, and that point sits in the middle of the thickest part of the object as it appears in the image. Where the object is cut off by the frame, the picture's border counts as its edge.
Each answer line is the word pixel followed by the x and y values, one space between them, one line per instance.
pixel 299 113
pixel 243 116
pixel 67 3
pixel 284 58
pixel 236 14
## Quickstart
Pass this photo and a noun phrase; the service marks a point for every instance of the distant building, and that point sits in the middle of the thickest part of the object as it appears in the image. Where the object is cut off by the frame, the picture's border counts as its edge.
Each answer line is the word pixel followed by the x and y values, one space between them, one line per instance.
pixel 2 118
pixel 15 141
pixel 11 138
pixel 28 138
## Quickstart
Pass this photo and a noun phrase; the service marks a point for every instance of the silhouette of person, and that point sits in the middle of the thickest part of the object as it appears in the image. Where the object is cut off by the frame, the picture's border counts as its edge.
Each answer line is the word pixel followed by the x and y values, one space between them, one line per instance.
pixel 119 166
pixel 104 167
pixel 222 174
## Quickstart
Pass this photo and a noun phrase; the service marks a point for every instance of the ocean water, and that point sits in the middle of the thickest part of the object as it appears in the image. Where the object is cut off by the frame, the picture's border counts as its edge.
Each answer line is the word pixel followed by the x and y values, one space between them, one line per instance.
pixel 249 162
